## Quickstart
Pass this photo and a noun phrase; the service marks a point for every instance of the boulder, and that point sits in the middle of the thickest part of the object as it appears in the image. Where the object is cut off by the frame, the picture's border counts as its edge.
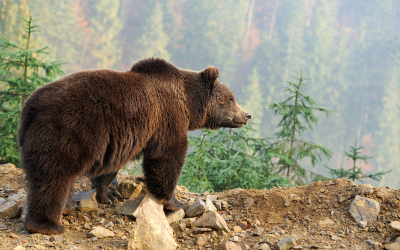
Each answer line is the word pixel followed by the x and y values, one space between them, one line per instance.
pixel 151 229
pixel 364 209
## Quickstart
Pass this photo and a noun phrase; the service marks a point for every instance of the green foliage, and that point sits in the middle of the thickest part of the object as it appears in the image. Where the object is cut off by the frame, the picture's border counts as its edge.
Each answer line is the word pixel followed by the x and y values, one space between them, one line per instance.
pixel 23 71
pixel 297 112
pixel 229 158
pixel 355 173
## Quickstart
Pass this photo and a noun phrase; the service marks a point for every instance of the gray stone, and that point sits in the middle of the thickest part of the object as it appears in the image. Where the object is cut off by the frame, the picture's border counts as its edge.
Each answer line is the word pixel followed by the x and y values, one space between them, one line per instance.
pixel 249 203
pixel 9 210
pixel 258 231
pixel 109 212
pixel 395 225
pixel 212 219
pixel 100 232
pixel 376 245
pixel 197 208
pixel 16 198
pixel 151 229
pixel 87 206
pixel 211 205
pixel 364 209
pixel 109 224
pixel 126 188
pixel 393 246
pixel 200 230
pixel 362 224
pixel 70 207
pixel 236 238
pixel 133 207
pixel 175 216
pixel 188 221
pixel 84 195
pixel 2 201
pixel 286 243
pixel 229 245
pixel 218 204
pixel 212 197
pixel 264 247
pixel 201 240
pixel 136 192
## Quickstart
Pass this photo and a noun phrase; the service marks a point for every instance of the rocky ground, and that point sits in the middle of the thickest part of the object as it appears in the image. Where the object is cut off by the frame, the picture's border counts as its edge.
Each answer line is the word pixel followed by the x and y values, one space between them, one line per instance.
pixel 334 214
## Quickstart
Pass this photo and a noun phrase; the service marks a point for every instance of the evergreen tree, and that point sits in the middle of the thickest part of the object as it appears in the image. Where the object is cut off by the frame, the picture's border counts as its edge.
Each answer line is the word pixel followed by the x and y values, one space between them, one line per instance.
pixel 23 70
pixel 296 110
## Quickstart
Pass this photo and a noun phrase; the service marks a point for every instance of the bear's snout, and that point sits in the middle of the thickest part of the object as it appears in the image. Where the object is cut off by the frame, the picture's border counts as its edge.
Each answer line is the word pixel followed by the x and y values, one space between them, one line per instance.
pixel 248 116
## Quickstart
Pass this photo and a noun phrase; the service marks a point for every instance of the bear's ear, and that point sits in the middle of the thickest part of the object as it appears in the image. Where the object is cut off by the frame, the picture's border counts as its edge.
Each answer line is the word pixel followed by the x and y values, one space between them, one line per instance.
pixel 209 75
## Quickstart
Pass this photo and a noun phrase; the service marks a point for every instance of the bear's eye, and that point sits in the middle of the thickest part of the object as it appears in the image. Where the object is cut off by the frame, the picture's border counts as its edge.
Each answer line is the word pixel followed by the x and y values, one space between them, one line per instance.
pixel 231 99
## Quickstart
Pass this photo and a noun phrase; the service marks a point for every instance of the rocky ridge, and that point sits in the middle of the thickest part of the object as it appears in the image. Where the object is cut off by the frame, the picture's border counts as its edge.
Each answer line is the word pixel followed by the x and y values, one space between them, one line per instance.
pixel 334 214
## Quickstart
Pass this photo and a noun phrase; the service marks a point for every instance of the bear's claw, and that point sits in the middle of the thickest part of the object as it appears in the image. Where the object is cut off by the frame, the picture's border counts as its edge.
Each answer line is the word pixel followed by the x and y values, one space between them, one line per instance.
pixel 110 196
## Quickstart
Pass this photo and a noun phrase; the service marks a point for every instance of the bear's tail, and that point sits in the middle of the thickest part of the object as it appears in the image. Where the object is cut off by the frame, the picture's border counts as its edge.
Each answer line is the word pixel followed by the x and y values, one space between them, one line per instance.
pixel 28 116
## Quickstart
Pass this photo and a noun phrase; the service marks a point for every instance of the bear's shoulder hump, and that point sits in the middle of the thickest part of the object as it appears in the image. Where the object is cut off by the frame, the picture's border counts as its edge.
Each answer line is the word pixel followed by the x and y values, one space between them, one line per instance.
pixel 153 65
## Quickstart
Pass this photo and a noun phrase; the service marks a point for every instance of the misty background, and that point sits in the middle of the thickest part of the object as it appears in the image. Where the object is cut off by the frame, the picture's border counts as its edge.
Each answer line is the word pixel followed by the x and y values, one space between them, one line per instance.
pixel 349 49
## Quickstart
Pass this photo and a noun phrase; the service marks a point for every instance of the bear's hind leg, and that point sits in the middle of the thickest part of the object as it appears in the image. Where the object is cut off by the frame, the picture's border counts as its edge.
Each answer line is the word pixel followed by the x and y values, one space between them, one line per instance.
pixel 105 194
pixel 47 197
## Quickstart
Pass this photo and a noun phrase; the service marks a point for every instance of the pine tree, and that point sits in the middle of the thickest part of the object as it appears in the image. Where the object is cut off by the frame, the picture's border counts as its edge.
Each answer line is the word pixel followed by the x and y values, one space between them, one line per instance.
pixel 23 70
pixel 296 110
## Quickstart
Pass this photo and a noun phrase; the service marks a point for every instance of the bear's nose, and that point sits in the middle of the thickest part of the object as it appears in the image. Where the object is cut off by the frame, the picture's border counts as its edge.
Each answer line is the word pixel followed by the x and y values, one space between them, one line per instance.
pixel 248 116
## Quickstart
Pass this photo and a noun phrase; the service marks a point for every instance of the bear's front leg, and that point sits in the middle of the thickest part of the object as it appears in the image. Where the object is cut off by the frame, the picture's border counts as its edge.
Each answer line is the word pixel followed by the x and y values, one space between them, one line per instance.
pixel 105 194
pixel 162 172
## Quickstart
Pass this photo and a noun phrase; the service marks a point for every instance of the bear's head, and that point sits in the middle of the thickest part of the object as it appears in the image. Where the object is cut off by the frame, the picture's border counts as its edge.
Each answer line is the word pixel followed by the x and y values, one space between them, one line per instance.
pixel 222 109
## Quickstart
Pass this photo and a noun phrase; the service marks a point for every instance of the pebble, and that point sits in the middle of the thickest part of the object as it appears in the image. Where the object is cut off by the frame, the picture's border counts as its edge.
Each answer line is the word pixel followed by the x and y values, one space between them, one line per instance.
pixel 100 232
pixel 229 245
pixel 286 243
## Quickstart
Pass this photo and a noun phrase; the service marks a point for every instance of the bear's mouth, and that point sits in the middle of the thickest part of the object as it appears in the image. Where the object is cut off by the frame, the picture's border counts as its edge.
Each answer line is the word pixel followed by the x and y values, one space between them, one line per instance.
pixel 239 123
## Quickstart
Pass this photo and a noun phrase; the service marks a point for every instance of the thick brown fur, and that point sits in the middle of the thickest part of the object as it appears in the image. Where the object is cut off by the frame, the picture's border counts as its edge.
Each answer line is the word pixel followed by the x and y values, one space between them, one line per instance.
pixel 93 122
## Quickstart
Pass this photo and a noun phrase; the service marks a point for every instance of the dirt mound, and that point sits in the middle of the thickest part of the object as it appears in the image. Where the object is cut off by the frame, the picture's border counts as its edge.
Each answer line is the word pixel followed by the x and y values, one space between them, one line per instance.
pixel 317 216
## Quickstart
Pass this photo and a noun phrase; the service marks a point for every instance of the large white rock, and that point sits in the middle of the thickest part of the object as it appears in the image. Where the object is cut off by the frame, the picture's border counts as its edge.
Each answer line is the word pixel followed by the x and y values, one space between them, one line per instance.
pixel 151 230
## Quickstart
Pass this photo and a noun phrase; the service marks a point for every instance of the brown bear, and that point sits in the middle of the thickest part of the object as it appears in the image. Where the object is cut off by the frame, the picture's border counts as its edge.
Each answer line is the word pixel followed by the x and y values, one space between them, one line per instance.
pixel 95 121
